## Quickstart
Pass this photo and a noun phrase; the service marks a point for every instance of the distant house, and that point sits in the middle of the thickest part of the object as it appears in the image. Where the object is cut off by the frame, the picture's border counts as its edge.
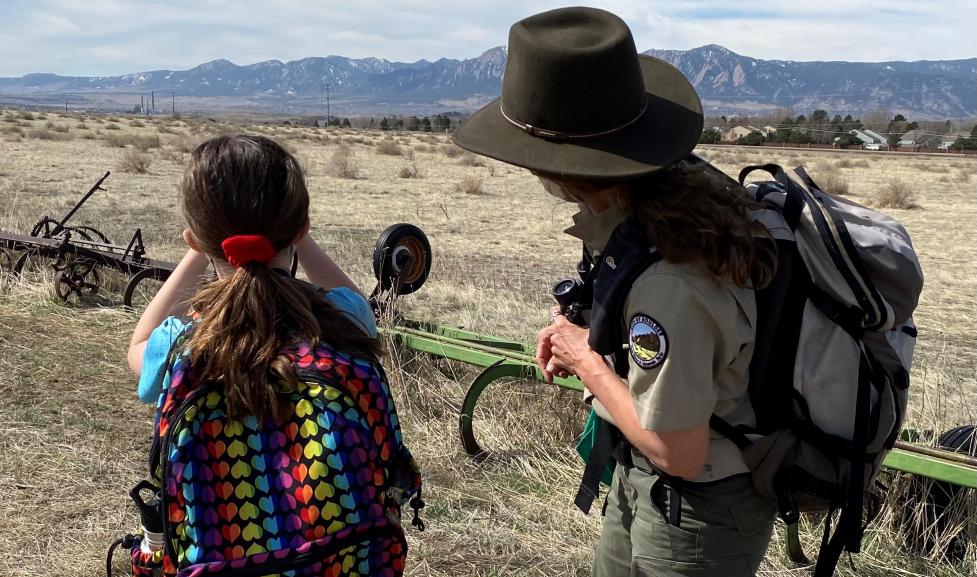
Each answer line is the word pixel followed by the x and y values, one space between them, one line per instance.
pixel 870 140
pixel 911 138
pixel 878 137
pixel 922 139
pixel 768 130
pixel 737 132
pixel 945 141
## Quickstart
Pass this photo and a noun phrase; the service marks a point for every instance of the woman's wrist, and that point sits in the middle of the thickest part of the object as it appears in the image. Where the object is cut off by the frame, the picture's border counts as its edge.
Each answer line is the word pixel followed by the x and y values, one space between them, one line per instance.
pixel 593 369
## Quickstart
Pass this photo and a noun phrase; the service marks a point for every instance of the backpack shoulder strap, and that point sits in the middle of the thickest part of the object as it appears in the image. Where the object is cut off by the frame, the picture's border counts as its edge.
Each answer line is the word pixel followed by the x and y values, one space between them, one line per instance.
pixel 794 200
pixel 606 438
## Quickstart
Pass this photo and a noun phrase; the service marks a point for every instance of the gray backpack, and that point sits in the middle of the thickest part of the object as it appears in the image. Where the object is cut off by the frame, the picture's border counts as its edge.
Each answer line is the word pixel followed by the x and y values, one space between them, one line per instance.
pixel 830 371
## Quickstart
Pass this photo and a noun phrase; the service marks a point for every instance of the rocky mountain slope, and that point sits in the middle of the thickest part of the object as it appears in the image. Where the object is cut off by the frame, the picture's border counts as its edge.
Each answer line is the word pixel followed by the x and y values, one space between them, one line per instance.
pixel 727 82
pixel 945 88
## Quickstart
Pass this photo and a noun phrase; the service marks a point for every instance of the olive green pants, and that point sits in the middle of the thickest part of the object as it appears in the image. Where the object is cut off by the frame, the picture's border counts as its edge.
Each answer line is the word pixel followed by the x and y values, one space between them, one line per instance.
pixel 724 529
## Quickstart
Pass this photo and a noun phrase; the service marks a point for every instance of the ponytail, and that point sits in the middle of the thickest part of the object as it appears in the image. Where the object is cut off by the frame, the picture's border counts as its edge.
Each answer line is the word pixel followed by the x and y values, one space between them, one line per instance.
pixel 245 200
pixel 247 318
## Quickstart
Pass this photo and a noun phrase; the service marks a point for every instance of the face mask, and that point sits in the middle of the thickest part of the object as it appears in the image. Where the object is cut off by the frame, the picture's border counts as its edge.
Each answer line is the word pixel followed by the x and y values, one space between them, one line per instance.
pixel 556 189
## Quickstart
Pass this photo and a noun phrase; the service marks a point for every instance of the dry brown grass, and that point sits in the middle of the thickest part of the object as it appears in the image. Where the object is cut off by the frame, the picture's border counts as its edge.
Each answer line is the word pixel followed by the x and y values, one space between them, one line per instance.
pixel 14 131
pixel 897 194
pixel 388 147
pixel 408 171
pixel 138 141
pixel 452 150
pixel 67 406
pixel 47 134
pixel 833 183
pixel 135 162
pixel 471 184
pixel 342 163
pixel 56 127
pixel 185 143
pixel 846 162
pixel 469 159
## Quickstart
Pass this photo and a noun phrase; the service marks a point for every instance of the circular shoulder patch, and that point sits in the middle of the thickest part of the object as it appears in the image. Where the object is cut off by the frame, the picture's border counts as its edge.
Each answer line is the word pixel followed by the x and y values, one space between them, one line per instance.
pixel 647 342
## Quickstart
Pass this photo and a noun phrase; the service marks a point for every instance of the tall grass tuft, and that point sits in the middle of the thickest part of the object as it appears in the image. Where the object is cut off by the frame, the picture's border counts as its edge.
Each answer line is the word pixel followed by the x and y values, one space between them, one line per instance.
pixel 388 147
pixel 342 163
pixel 135 162
pixel 470 184
pixel 896 194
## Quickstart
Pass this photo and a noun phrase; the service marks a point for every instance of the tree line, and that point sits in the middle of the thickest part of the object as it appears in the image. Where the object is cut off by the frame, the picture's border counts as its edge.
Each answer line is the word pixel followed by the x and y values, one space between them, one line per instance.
pixel 821 128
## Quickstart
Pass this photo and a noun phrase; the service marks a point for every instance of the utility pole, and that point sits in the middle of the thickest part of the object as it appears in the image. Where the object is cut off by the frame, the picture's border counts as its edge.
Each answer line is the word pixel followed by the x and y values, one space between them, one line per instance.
pixel 328 112
pixel 152 106
pixel 66 108
pixel 142 103
pixel 173 102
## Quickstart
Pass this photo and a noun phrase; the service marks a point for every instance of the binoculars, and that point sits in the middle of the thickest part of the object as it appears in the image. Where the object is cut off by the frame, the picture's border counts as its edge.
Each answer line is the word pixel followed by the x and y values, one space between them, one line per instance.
pixel 574 295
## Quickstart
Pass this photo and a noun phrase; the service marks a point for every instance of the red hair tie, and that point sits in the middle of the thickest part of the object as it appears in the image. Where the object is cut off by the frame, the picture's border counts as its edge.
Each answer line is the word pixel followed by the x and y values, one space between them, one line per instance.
pixel 241 249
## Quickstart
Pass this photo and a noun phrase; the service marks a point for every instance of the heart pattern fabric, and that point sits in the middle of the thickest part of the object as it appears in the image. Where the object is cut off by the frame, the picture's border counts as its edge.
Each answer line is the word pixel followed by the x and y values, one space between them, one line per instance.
pixel 315 492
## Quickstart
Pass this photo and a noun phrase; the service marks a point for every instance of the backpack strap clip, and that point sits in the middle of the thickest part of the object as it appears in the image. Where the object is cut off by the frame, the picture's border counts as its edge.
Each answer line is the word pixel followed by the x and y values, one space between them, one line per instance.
pixel 417 503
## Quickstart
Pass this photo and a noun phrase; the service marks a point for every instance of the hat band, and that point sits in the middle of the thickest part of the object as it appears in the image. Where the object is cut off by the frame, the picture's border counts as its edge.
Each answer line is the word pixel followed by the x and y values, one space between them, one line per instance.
pixel 557 135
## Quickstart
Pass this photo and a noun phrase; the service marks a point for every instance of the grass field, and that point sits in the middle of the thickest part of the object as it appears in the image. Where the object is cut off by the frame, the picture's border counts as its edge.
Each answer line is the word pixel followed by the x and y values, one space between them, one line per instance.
pixel 74 438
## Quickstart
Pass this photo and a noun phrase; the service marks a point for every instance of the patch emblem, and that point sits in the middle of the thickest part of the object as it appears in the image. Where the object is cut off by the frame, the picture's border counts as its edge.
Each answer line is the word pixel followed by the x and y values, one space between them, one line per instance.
pixel 647 342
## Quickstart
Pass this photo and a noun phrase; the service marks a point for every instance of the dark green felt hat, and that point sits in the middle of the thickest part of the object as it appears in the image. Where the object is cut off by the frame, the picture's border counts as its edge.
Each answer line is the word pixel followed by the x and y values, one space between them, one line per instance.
pixel 578 100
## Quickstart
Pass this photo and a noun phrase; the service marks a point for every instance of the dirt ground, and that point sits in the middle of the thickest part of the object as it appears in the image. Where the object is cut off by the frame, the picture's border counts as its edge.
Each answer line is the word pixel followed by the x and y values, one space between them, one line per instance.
pixel 73 437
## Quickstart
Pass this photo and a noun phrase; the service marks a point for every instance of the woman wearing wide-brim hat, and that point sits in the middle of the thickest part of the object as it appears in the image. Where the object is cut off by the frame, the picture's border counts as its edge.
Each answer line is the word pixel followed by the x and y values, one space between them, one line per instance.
pixel 675 257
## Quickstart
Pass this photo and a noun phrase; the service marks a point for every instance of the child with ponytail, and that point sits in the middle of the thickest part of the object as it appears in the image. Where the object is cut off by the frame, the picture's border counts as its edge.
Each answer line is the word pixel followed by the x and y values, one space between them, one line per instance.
pixel 277 444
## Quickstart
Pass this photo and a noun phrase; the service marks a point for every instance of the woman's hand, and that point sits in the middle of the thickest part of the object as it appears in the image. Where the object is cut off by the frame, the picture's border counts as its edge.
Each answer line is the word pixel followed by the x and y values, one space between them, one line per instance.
pixel 544 347
pixel 570 350
pixel 563 348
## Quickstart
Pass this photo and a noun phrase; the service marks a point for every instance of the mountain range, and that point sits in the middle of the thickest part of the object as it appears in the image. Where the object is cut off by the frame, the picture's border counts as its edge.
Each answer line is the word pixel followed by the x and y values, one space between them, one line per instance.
pixel 727 82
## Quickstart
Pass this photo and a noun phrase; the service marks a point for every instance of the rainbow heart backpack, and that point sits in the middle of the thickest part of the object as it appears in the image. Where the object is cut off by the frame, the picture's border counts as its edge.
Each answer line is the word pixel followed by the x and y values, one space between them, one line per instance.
pixel 315 492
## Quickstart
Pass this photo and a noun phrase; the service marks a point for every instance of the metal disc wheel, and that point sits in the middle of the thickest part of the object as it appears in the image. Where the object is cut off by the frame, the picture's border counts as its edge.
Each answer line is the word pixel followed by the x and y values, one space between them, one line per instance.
pixel 143 287
pixel 78 277
pixel 32 264
pixel 402 258
pixel 91 234
pixel 6 261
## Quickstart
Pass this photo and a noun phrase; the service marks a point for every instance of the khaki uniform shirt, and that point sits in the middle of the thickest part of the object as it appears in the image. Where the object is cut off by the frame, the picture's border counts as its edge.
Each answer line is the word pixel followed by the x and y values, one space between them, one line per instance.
pixel 690 340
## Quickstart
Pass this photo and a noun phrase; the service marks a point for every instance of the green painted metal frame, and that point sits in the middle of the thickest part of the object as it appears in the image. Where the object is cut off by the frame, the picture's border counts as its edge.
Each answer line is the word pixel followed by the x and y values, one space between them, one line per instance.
pixel 503 358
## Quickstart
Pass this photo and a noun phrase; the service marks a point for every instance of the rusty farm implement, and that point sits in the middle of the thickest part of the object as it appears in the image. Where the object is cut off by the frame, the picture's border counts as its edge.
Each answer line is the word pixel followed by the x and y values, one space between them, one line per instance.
pixel 76 253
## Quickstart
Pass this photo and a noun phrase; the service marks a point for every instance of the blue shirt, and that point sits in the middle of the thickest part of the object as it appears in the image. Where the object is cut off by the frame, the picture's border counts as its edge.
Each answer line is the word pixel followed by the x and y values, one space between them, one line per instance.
pixel 153 379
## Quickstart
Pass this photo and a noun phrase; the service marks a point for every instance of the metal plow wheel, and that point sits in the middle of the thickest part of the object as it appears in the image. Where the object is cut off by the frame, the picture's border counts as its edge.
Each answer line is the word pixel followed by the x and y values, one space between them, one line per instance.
pixel 6 261
pixel 78 277
pixel 143 287
pixel 401 259
pixel 32 264
pixel 91 234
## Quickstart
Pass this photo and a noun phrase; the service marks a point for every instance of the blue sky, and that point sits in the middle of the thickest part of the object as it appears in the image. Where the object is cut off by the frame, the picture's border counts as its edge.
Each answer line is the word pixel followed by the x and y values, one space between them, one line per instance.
pixel 109 37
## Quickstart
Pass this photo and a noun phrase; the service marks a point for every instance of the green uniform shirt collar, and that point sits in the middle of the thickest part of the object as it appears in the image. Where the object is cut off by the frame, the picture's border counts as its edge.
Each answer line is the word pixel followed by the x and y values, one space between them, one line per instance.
pixel 595 229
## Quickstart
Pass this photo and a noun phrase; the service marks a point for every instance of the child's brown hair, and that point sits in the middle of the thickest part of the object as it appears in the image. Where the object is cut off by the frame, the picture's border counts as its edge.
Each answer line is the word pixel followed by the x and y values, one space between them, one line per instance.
pixel 249 185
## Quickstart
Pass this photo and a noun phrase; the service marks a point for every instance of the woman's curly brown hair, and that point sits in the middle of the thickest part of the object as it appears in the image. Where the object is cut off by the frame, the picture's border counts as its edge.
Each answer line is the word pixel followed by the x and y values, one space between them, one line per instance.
pixel 692 212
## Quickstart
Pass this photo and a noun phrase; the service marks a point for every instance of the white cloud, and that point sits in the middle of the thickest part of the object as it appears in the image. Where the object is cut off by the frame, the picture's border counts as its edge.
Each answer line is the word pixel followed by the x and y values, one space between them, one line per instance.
pixel 102 37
